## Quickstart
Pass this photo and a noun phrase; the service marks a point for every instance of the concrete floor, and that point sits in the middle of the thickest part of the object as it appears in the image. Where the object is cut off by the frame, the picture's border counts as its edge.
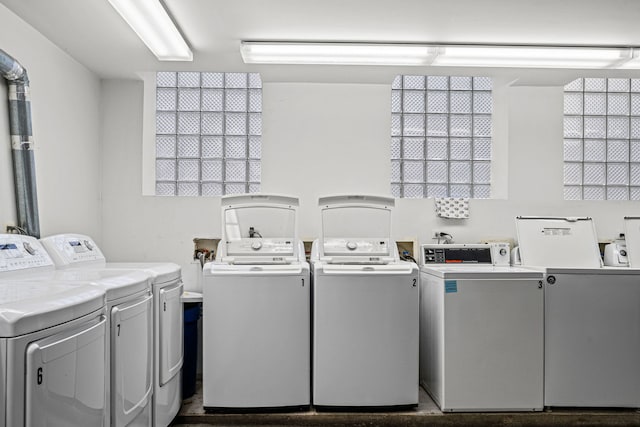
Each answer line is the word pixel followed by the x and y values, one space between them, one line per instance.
pixel 426 414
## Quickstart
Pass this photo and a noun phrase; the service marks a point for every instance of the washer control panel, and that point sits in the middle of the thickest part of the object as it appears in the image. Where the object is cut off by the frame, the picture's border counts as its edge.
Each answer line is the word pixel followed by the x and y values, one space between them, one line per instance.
pixel 483 253
pixel 72 249
pixel 356 246
pixel 19 252
pixel 259 246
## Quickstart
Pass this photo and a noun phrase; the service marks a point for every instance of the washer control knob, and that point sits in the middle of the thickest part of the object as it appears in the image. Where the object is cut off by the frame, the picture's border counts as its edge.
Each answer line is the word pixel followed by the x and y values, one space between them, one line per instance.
pixel 29 248
pixel 352 246
pixel 503 252
pixel 256 245
pixel 623 252
pixel 88 245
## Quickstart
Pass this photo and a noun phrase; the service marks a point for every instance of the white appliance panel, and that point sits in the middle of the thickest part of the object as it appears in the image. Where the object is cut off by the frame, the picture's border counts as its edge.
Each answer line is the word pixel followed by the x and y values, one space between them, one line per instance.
pixel 19 252
pixel 558 242
pixel 170 310
pixel 73 250
pixel 168 327
pixel 356 229
pixel 132 387
pixel 258 229
pixel 432 352
pixel 65 382
pixel 598 319
pixel 269 366
pixel 493 344
pixel 365 338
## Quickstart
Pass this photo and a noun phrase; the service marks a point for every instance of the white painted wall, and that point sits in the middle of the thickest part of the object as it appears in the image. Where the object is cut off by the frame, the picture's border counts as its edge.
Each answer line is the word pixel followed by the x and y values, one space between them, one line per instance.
pixel 321 139
pixel 66 129
pixel 137 227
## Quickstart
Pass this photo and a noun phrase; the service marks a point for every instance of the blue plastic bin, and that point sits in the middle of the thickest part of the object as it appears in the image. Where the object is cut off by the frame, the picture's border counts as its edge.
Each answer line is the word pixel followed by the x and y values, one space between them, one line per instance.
pixel 190 361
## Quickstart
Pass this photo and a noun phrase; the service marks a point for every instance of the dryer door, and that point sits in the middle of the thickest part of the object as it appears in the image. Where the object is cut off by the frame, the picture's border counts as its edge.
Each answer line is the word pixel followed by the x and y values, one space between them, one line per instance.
pixel 65 382
pixel 131 358
pixel 170 331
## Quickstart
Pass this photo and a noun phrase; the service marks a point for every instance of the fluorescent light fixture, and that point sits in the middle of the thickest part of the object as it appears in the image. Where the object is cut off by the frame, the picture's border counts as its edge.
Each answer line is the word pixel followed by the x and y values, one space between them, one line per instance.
pixel 152 24
pixel 334 53
pixel 634 63
pixel 532 56
pixel 434 55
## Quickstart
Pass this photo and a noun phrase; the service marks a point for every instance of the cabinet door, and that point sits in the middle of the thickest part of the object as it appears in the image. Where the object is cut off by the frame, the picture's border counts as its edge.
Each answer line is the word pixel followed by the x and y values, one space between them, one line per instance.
pixel 132 358
pixel 170 331
pixel 65 378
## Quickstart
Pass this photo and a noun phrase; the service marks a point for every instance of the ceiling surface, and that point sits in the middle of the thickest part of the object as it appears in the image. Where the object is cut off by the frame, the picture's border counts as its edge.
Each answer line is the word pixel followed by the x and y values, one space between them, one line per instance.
pixel 93 33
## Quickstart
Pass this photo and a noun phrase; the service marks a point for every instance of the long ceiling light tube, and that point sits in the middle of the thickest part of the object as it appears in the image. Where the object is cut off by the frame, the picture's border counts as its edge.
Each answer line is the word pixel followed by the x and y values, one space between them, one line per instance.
pixel 335 53
pixel 262 52
pixel 152 24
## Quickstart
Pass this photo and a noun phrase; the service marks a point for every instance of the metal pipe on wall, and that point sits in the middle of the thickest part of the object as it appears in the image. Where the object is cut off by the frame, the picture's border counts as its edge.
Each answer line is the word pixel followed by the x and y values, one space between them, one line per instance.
pixel 24 171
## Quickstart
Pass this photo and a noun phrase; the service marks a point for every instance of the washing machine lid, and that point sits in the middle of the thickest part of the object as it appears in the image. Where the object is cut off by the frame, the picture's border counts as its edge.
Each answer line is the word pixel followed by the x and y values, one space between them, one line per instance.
pixel 259 229
pixel 117 283
pixel 27 307
pixel 356 229
pixel 558 242
pixel 161 272
pixel 632 237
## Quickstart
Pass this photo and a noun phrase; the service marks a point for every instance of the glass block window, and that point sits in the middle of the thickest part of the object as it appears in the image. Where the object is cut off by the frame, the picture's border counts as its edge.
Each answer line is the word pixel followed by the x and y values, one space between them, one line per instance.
pixel 602 139
pixel 208 133
pixel 441 136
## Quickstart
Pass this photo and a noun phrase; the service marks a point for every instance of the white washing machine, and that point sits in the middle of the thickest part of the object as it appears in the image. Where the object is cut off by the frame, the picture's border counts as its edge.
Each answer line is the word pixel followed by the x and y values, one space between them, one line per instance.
pixel 256 308
pixel 481 329
pixel 76 251
pixel 365 308
pixel 52 347
pixel 592 315
pixel 129 323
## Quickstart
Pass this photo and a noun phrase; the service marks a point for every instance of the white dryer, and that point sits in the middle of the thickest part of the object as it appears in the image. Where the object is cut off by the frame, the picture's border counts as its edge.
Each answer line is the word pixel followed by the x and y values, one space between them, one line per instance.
pixel 256 308
pixel 365 308
pixel 481 329
pixel 592 328
pixel 52 347
pixel 129 347
pixel 76 251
